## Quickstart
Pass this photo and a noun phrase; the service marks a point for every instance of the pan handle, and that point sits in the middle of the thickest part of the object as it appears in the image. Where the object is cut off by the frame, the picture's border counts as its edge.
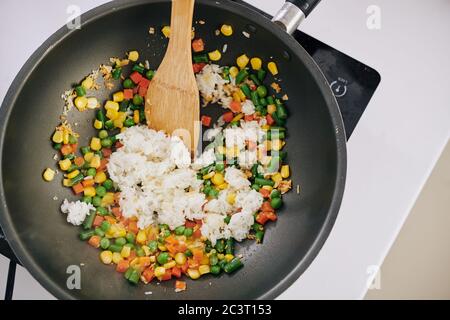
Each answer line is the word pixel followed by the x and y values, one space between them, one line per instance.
pixel 293 13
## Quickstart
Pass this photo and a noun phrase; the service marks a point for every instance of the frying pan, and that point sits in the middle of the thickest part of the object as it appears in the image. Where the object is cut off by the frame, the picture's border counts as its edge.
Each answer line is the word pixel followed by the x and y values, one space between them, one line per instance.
pixel 49 247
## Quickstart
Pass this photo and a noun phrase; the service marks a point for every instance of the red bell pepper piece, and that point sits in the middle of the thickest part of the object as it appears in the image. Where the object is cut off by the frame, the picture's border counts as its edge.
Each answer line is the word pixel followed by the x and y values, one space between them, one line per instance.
pixel 206 121
pixel 190 224
pixel 106 152
pixel 136 77
pixel 198 45
pixel 128 94
pixel 249 117
pixel 266 207
pixel 167 275
pixel 265 193
pixel 142 91
pixel 144 83
pixel 228 116
pixel 176 272
pixel 198 67
pixel 269 120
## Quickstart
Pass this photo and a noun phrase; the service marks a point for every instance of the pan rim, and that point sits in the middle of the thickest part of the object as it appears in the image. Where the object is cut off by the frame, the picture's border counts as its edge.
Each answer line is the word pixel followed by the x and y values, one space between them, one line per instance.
pixel 26 258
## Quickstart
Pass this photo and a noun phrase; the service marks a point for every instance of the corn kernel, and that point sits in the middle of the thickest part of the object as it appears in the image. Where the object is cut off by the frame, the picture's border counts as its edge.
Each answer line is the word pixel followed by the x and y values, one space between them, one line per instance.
pixel 133 56
pixel 231 198
pixel 108 199
pixel 67 183
pixel 234 72
pixel 146 250
pixel 125 252
pixel 268 145
pixel 180 258
pixel 96 144
pixel 152 259
pixel 65 164
pixel 193 274
pixel 221 256
pixel 285 171
pixel 73 174
pixel 271 108
pixel 236 97
pixel 218 179
pixel 92 103
pixel 242 61
pixel 160 271
pixel 81 103
pixel 65 137
pixel 268 188
pixel 89 191
pixel 166 31
pixel 100 177
pixel 112 105
pixel 95 162
pixel 256 63
pixel 118 96
pixel 209 175
pixel 226 30
pixel 121 116
pixel 141 237
pixel 277 144
pixel 229 257
pixel 106 257
pixel 238 117
pixel 98 124
pixel 87 83
pixel 170 264
pixel 112 114
pixel 242 95
pixel 118 123
pixel 265 127
pixel 88 156
pixel 215 55
pixel 273 68
pixel 205 260
pixel 222 186
pixel 277 177
pixel 162 247
pixel 123 129
pixel 57 137
pixel 116 257
pixel 204 269
pixel 48 174
pixel 136 116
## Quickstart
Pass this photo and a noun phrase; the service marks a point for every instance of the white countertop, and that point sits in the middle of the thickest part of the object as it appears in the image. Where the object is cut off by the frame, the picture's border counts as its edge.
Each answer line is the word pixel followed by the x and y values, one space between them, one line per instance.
pixel 390 154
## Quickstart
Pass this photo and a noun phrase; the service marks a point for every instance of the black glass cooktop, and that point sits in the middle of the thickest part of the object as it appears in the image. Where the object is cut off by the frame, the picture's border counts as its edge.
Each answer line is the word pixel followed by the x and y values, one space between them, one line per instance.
pixel 353 83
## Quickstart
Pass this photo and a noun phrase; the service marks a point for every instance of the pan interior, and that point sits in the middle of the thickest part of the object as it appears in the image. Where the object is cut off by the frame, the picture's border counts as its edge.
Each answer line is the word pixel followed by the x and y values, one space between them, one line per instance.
pixel 53 244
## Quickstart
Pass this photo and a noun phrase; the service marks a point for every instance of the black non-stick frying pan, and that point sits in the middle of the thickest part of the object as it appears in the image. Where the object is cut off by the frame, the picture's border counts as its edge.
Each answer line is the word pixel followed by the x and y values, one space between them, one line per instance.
pixel 47 245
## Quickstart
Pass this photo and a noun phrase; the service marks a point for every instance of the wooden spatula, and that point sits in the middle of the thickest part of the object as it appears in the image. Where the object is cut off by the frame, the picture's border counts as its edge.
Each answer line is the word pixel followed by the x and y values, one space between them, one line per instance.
pixel 172 103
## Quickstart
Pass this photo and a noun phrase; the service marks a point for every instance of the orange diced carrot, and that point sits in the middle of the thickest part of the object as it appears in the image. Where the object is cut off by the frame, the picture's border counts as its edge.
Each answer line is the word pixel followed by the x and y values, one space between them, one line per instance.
pixel 78 188
pixel 180 285
pixel 122 266
pixel 88 183
pixel 98 221
pixel 66 149
pixel 235 106
pixel 94 241
pixel 79 161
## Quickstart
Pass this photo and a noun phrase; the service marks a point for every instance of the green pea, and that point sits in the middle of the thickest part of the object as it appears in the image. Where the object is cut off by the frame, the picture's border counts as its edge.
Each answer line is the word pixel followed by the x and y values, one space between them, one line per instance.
pixel 188 253
pixel 188 232
pixel 215 270
pixel 213 193
pixel 150 74
pixel 87 199
pixel 106 143
pixel 129 122
pixel 220 167
pixel 100 191
pixel 153 246
pixel 115 248
pixel 102 211
pixel 275 194
pixel 103 134
pixel 128 83
pixel 85 150
pixel 163 258
pixel 120 241
pixel 179 231
pixel 108 184
pixel 91 172
pixel 96 201
pixel 138 100
pixel 109 124
pixel 276 203
pixel 166 233
pixel 57 146
pixel 130 237
pixel 262 91
pixel 99 232
pixel 105 225
pixel 105 243
pixel 213 260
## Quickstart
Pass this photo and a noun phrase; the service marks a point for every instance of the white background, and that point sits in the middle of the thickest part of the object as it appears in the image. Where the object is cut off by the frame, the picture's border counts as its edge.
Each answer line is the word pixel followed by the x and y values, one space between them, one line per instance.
pixel 390 154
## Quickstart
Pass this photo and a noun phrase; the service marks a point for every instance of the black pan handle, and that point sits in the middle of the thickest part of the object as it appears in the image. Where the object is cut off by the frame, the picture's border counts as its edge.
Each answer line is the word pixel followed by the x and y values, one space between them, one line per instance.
pixel 293 13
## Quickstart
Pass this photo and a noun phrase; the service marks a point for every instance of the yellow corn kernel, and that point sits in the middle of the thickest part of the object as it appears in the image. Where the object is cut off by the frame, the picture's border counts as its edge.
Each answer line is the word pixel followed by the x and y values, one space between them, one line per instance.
pixel 215 55
pixel 152 259
pixel 87 83
pixel 242 61
pixel 81 103
pixel 48 174
pixel 218 179
pixel 141 237
pixel 57 137
pixel 268 145
pixel 170 264
pixel 265 127
pixel 193 274
pixel 123 129
pixel 121 116
pixel 118 123
pixel 226 30
pixel 116 257
pixel 209 175
pixel 256 63
pixel 134 262
pixel 277 144
pixel 65 164
pixel 236 97
pixel 67 183
pixel 108 199
pixel 136 117
pixel 277 177
pixel 222 186
pixel 180 258
pixel 162 247
pixel 242 95
pixel 106 256
pixel 65 136
pixel 125 252
pixel 98 124
pixel 271 108
pixel 229 257
pixel 146 250
pixel 221 149
pixel 100 177
pixel 221 256
pixel 89 192
pixel 166 31
pixel 120 232
pixel 231 198
pixel 268 188
pixel 73 174
pixel 112 105
pixel 118 96
pixel 238 117
pixel 92 103
pixel 205 260
pixel 160 271
pixel 95 162
pixel 111 114
pixel 285 171
pixel 96 144
pixel 133 56
pixel 88 156
pixel 273 68
pixel 204 269
pixel 234 72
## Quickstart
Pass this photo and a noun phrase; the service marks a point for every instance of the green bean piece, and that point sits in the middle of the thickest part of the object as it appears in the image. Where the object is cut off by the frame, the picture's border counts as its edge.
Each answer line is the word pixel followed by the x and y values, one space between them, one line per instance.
pixel 201 58
pixel 87 199
pixel 241 76
pixel 222 264
pixel 106 143
pixel 220 246
pixel 215 270
pixel 89 220
pixel 100 191
pixel 139 68
pixel 153 246
pixel 72 139
pixel 86 234
pixel 77 179
pixel 99 232
pixel 261 74
pixel 259 236
pixel 85 150
pixel 81 92
pixel 256 187
pixel 255 98
pixel 227 219
pixel 281 110
pixel 138 100
pixel 129 122
pixel 116 73
pixel 179 231
pixel 257 227
pixel 134 276
pixel 246 90
pixel 101 115
pixel 264 182
pixel 274 165
pixel 69 156
pixel 123 106
pixel 233 265
pixel 128 273
pixel 105 225
pixel 229 246
pixel 255 80
pixel 109 124
pixel 275 194
pixel 276 203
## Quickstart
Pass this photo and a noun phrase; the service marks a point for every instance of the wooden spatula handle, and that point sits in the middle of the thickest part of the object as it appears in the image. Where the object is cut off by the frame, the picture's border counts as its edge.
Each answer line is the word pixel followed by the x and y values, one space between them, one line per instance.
pixel 181 26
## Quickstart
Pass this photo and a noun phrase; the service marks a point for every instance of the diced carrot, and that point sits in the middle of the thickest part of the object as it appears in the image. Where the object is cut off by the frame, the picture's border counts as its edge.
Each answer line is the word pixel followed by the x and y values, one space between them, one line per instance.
pixel 261 218
pixel 249 117
pixel 132 255
pixel 198 67
pixel 180 285
pixel 198 45
pixel 172 240
pixel 182 247
pixel 148 274
pixel 271 216
pixel 228 116
pixel 78 188
pixel 106 152
pixel 189 224
pixel 128 94
pixel 176 272
pixel 167 275
pixel 197 254
pixel 116 212
pixel 265 193
pixel 235 106
pixel 94 241
pixel 266 207
pixel 193 264
pixel 123 266
pixel 135 90
pixel 116 197
pixel 88 183
pixel 144 83
pixel 98 221
pixel 103 164
pixel 66 149
pixel 79 161
pixel 118 145
pixel 206 121
pixel 197 234
pixel 110 219
pixel 270 120
pixel 144 261
pixel 136 77
pixel 142 91
pixel 132 227
pixel 185 267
